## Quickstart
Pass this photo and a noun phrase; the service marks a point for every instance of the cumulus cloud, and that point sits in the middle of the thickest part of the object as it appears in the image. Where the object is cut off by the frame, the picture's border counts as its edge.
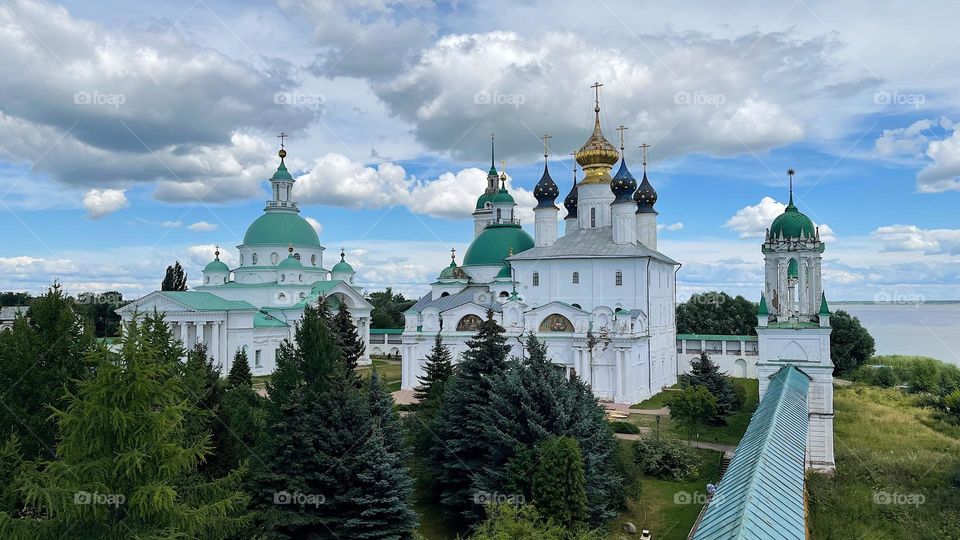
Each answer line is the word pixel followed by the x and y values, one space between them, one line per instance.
pixel 913 238
pixel 933 142
pixel 110 108
pixel 203 226
pixel 317 226
pixel 100 202
pixel 752 221
pixel 202 254
pixel 678 226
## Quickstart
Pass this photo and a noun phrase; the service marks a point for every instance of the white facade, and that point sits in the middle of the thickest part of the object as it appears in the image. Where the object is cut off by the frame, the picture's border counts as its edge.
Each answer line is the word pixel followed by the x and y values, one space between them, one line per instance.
pixel 257 305
pixel 604 303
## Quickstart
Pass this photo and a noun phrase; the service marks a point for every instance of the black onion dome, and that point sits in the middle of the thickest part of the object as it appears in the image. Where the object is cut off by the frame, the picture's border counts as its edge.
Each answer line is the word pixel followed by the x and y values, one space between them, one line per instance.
pixel 623 184
pixel 546 190
pixel 645 196
pixel 570 203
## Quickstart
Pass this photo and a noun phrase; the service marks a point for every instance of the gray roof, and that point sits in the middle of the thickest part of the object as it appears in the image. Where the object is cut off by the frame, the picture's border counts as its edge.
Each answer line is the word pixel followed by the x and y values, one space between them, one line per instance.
pixel 466 296
pixel 589 243
pixel 8 313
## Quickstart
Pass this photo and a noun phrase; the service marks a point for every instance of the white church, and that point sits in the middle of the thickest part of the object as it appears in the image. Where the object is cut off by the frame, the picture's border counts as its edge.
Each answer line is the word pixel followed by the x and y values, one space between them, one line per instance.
pixel 600 295
pixel 256 305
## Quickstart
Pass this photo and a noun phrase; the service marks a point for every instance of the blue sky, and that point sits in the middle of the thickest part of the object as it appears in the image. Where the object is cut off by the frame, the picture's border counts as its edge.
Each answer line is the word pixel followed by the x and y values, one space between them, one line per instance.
pixel 135 134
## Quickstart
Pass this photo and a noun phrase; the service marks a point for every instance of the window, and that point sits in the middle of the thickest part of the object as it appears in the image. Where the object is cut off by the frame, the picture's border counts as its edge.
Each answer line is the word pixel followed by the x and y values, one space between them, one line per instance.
pixel 593 217
pixel 619 278
pixel 274 258
pixel 283 277
pixel 313 259
pixel 498 214
pixel 254 258
pixel 256 359
pixel 536 279
pixel 299 277
pixel 444 293
pixel 241 259
pixel 208 279
pixel 504 294
pixel 577 306
pixel 576 278
pixel 296 256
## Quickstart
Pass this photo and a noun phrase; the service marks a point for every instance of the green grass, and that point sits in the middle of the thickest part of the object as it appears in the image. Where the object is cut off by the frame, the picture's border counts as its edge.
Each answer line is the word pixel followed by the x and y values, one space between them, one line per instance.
pixel 660 506
pixel 654 402
pixel 731 433
pixel 389 371
pixel 886 444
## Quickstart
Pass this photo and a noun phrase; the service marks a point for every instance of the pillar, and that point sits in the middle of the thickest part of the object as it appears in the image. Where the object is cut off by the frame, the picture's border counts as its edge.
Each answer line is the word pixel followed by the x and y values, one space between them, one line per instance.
pixel 215 343
pixel 184 333
pixel 199 326
pixel 803 302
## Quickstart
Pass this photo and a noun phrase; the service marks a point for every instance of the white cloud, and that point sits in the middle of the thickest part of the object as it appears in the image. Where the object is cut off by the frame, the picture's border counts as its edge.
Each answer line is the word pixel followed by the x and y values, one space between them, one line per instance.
pixel 913 238
pixel 202 254
pixel 826 233
pixel 203 226
pixel 752 221
pixel 317 226
pixel 678 226
pixel 100 202
pixel 943 174
pixel 336 180
pixel 170 224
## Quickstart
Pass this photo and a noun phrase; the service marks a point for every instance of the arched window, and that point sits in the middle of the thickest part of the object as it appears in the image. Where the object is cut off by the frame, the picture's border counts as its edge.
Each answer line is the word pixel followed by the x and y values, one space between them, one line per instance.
pixel 593 217
pixel 619 278
pixel 444 294
pixel 313 259
pixel 576 277
pixel 498 214
pixel 208 279
pixel 274 258
pixel 254 259
pixel 556 323
pixel 504 294
pixel 536 279
pixel 469 323
pixel 241 259
pixel 296 256
pixel 576 306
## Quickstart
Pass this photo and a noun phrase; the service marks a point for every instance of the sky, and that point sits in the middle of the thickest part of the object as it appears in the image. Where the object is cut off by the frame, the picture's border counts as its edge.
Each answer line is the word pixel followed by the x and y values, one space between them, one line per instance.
pixel 134 134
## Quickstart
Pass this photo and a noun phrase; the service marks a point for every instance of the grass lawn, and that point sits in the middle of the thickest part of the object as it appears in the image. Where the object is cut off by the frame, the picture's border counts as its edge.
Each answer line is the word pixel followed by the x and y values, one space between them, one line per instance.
pixel 654 402
pixel 888 449
pixel 728 434
pixel 668 509
pixel 389 371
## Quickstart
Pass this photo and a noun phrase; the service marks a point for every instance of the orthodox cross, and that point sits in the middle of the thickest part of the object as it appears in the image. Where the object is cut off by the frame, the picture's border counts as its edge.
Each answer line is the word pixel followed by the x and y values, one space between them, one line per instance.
pixel 790 173
pixel 545 138
pixel 596 90
pixel 282 136
pixel 621 128
pixel 453 253
pixel 643 148
pixel 574 154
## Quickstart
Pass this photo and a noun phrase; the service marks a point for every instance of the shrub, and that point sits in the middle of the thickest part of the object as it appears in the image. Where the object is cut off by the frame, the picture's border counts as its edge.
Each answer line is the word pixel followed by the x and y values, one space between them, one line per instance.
pixel 666 458
pixel 619 426
pixel 739 395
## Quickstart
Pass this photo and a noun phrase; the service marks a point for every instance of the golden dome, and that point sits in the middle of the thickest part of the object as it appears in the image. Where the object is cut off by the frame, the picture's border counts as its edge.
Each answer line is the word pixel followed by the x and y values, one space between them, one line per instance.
pixel 597 156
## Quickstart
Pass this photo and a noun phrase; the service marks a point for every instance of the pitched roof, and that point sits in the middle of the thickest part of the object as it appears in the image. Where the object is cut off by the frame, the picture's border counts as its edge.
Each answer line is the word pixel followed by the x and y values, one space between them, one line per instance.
pixel 8 313
pixel 761 494
pixel 466 296
pixel 204 301
pixel 589 243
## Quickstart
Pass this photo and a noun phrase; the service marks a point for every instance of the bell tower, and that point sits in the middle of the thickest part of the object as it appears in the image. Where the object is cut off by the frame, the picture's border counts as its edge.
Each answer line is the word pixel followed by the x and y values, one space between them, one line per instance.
pixel 793 323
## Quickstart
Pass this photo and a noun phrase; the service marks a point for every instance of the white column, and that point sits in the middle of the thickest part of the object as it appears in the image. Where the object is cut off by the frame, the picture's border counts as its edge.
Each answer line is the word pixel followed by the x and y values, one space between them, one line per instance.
pixel 199 326
pixel 803 302
pixel 215 344
pixel 545 226
pixel 184 333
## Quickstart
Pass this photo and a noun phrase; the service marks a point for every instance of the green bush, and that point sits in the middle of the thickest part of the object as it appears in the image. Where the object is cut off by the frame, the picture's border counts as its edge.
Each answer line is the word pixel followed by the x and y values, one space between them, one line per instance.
pixel 666 458
pixel 739 394
pixel 619 426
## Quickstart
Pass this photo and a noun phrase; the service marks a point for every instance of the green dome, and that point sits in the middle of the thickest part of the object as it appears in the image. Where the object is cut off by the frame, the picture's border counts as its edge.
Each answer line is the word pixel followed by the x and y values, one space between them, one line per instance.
pixel 281 228
pixel 290 262
pixel 482 201
pixel 791 223
pixel 342 266
pixel 216 265
pixel 793 269
pixel 505 272
pixel 503 196
pixel 495 244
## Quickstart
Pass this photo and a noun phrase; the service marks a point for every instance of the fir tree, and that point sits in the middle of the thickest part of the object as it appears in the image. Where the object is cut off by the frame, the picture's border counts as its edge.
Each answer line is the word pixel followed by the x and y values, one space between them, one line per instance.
pixel 704 371
pixel 380 404
pixel 437 371
pixel 311 359
pixel 559 486
pixel 205 391
pixel 125 467
pixel 381 494
pixel 240 375
pixel 175 279
pixel 532 401
pixel 351 346
pixel 461 447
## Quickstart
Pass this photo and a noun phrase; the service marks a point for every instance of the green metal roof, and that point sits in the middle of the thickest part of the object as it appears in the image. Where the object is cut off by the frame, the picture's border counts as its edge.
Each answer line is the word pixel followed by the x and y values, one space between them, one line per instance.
pixel 281 228
pixel 482 200
pixel 824 308
pixel 495 244
pixel 793 325
pixel 282 172
pixel 762 310
pixel 216 265
pixel 320 288
pixel 505 272
pixel 793 268
pixel 503 196
pixel 261 319
pixel 390 331
pixel 716 337
pixel 761 494
pixel 290 262
pixel 205 301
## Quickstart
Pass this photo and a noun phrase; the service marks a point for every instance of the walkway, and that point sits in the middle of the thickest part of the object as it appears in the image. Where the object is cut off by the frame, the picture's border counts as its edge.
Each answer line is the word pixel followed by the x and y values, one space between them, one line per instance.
pixel 693 444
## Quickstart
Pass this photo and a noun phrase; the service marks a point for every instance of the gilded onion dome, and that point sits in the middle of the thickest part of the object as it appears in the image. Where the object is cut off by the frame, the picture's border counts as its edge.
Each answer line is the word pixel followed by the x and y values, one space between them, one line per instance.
pixel 597 156
pixel 623 184
pixel 546 190
pixel 645 196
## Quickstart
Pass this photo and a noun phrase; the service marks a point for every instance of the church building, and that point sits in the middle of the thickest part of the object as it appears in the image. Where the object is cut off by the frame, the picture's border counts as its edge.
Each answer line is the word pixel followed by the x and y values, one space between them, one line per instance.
pixel 256 305
pixel 600 295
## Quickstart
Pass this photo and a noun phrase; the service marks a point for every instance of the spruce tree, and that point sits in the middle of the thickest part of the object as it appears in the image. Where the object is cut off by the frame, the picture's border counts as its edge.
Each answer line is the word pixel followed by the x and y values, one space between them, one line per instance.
pixel 382 412
pixel 125 467
pixel 311 359
pixel 461 446
pixel 240 374
pixel 437 371
pixel 704 371
pixel 380 498
pixel 559 486
pixel 531 401
pixel 350 343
